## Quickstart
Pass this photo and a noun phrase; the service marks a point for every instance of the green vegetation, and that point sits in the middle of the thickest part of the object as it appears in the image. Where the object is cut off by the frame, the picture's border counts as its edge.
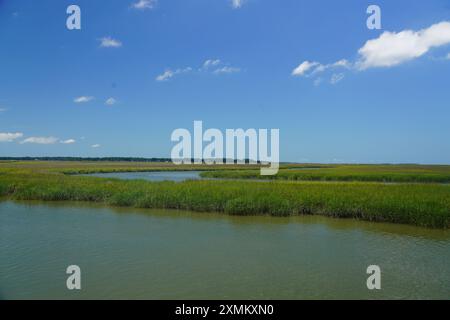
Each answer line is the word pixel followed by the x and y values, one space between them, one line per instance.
pixel 84 167
pixel 418 204
pixel 376 173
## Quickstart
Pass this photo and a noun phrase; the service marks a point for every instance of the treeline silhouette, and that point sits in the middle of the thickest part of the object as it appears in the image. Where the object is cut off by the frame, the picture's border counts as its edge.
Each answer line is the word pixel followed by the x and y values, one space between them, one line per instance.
pixel 105 159
pixel 133 159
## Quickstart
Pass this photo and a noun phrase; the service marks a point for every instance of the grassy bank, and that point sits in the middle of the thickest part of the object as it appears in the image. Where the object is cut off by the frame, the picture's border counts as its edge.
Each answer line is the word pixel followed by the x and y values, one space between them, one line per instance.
pixel 375 173
pixel 417 204
pixel 85 167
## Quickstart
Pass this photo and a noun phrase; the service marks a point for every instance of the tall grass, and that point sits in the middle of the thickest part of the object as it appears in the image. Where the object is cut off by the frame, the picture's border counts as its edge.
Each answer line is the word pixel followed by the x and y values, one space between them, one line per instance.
pixel 376 173
pixel 417 204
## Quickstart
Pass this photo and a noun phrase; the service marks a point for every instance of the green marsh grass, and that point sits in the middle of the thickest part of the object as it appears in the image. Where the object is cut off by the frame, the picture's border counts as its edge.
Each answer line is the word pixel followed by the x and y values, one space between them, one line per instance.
pixel 375 173
pixel 422 204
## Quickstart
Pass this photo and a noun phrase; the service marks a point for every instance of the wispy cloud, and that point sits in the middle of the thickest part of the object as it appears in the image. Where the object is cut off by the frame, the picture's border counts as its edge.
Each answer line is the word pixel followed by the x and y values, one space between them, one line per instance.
pixel 144 4
pixel 448 56
pixel 317 81
pixel 3 110
pixel 83 99
pixel 226 69
pixel 168 74
pixel 308 69
pixel 108 42
pixel 210 63
pixel 95 146
pixel 236 4
pixel 217 66
pixel 110 101
pixel 341 63
pixel 40 140
pixel 213 66
pixel 388 50
pixel 336 77
pixel 9 137
pixel 68 141
pixel 304 67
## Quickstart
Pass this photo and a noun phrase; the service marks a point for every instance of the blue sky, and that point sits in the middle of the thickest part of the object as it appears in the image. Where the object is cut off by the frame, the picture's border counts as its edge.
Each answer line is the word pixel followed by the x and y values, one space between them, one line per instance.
pixel 134 73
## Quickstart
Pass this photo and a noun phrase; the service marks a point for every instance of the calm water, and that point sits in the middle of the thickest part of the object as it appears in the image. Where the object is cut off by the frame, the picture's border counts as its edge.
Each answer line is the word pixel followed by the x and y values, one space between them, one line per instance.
pixel 151 176
pixel 167 254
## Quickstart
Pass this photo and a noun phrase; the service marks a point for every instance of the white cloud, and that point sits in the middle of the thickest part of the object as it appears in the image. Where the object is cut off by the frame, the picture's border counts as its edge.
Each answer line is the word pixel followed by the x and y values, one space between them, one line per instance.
pixel 3 109
pixel 165 76
pixel 95 145
pixel 68 141
pixel 170 74
pixel 388 50
pixel 304 67
pixel 211 63
pixel 448 56
pixel 8 137
pixel 226 69
pixel 319 68
pixel 215 66
pixel 108 42
pixel 236 4
pixel 110 101
pixel 307 68
pixel 391 49
pixel 40 140
pixel 336 77
pixel 83 99
pixel 144 4
pixel 342 63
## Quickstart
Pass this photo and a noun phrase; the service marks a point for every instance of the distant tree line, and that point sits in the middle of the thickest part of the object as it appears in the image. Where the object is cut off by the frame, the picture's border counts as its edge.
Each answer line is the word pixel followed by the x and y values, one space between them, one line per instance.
pixel 133 159
pixel 106 159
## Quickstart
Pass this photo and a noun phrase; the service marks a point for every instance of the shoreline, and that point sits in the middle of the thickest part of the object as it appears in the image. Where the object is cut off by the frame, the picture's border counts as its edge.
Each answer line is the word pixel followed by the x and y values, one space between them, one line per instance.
pixel 414 204
pixel 420 204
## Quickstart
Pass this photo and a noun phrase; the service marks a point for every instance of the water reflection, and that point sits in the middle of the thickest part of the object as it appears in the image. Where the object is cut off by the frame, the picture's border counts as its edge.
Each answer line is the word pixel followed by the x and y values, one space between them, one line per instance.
pixel 169 254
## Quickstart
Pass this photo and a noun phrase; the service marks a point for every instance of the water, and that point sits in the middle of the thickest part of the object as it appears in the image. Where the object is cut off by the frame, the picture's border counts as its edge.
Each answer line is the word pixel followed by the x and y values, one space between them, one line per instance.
pixel 151 175
pixel 177 176
pixel 160 254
